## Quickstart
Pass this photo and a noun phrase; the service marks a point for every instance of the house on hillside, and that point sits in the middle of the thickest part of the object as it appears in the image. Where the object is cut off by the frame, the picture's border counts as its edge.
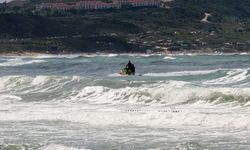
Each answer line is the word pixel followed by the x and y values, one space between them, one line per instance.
pixel 55 6
pixel 144 3
pixel 97 4
pixel 90 5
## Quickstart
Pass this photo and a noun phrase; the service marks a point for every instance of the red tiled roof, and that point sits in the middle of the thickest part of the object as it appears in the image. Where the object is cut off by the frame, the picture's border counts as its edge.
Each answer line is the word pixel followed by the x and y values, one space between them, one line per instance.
pixel 95 4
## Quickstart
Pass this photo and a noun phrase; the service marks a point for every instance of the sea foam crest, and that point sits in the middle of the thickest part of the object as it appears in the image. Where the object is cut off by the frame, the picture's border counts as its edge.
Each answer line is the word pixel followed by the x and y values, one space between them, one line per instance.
pixel 171 93
pixel 169 57
pixel 9 98
pixel 232 76
pixel 38 147
pixel 106 115
pixel 182 73
pixel 20 62
pixel 160 104
pixel 60 147
pixel 79 89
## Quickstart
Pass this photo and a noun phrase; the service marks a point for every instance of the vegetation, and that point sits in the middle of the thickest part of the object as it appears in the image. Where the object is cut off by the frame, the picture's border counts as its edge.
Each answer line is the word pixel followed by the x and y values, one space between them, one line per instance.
pixel 23 28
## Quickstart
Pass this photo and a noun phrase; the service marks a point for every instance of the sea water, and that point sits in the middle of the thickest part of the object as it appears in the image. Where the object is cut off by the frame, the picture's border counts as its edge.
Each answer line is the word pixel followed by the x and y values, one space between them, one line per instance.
pixel 77 102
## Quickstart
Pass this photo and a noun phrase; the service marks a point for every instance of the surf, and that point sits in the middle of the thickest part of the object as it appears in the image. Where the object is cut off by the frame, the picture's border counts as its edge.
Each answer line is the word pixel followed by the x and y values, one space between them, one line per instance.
pixel 45 99
pixel 118 91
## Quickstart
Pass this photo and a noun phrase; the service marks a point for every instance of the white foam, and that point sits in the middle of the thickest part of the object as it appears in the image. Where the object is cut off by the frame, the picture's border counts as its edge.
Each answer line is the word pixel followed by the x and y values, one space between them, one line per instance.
pixel 232 76
pixel 13 83
pixel 170 93
pixel 161 104
pixel 139 55
pixel 155 117
pixel 20 62
pixel 61 147
pixel 9 98
pixel 182 73
pixel 244 53
pixel 119 75
pixel 167 92
pixel 114 75
pixel 39 80
pixel 61 56
pixel 112 55
pixel 168 57
pixel 164 104
pixel 100 55
pixel 28 84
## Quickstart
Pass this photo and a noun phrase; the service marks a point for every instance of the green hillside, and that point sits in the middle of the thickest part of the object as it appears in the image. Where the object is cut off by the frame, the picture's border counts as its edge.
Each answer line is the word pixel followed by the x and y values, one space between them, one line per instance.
pixel 177 28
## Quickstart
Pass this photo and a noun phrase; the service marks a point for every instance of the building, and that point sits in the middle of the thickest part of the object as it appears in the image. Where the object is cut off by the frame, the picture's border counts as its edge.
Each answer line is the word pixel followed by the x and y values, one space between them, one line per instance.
pixel 144 3
pixel 55 6
pixel 96 4
pixel 90 5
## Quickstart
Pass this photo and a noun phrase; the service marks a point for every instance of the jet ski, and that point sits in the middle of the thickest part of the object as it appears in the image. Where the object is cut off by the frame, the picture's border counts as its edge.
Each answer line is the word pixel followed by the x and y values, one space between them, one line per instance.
pixel 126 72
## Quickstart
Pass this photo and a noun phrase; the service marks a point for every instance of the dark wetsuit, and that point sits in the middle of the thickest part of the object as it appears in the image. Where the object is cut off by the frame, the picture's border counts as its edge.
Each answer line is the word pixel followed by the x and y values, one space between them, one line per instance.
pixel 130 67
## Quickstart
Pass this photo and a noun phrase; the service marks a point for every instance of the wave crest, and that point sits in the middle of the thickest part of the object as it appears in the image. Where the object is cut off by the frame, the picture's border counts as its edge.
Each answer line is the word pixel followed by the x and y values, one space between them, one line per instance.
pixel 38 147
pixel 81 89
pixel 20 62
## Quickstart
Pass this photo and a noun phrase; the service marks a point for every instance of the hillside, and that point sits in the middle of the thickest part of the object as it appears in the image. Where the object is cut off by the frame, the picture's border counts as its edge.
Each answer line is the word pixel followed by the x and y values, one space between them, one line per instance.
pixel 179 27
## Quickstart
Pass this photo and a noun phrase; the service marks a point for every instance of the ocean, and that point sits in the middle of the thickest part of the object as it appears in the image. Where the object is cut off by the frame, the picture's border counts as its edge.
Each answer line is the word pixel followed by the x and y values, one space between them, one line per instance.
pixel 74 102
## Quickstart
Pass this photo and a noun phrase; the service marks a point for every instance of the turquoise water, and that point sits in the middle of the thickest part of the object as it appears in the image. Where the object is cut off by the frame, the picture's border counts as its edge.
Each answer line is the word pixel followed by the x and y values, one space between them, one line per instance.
pixel 81 102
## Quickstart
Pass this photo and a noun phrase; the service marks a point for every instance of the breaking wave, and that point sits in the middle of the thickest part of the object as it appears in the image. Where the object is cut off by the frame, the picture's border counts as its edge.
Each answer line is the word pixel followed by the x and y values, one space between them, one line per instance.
pixel 190 146
pixel 182 73
pixel 38 147
pixel 60 147
pixel 20 62
pixel 82 89
pixel 69 103
pixel 168 57
pixel 232 76
pixel 120 102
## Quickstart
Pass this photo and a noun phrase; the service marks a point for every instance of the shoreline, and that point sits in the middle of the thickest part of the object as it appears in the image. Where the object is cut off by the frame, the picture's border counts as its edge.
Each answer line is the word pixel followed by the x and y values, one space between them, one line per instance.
pixel 181 53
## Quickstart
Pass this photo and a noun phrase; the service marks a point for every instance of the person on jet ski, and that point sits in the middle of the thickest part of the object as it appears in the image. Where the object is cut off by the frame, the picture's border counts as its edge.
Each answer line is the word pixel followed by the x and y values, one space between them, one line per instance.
pixel 130 68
